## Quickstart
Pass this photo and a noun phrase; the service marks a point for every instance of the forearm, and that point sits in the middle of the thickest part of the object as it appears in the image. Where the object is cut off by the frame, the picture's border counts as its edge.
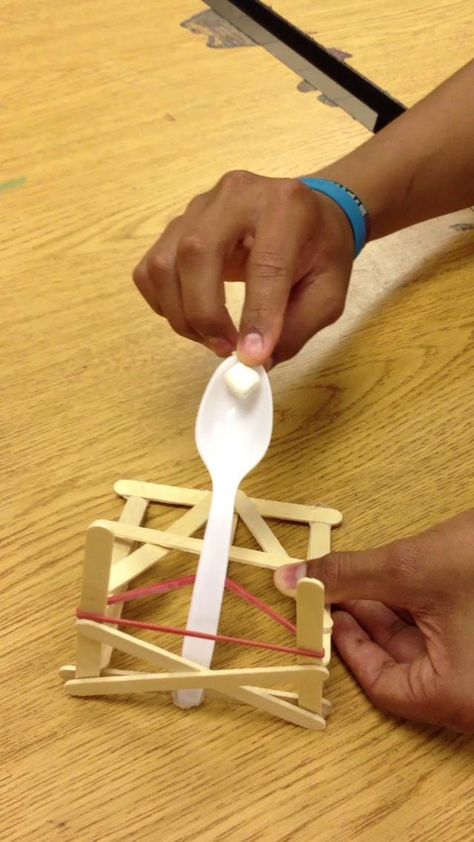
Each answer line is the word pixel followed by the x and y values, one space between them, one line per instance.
pixel 421 165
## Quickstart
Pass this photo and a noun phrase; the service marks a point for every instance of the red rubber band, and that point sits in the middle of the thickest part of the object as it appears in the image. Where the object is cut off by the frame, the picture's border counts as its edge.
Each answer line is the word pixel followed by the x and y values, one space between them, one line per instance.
pixel 220 638
pixel 175 584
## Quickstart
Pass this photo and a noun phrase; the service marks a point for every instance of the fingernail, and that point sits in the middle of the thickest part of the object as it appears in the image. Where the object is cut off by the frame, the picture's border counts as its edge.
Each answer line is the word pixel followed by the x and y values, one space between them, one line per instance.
pixel 287 578
pixel 219 345
pixel 252 344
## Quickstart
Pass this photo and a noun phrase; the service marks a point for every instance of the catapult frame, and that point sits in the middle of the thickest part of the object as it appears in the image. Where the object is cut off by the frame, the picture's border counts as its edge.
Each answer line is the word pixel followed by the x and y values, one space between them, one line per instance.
pixel 119 551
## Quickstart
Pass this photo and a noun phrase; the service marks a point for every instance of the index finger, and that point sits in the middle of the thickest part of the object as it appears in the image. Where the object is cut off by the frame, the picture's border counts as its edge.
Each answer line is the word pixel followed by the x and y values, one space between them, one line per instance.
pixel 201 257
pixel 282 230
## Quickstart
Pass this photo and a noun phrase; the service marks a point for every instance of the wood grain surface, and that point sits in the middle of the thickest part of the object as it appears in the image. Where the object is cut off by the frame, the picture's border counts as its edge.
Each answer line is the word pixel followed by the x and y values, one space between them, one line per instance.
pixel 407 48
pixel 112 116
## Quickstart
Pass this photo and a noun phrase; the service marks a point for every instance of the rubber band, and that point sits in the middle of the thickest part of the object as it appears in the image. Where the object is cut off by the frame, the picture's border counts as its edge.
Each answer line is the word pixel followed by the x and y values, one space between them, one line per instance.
pixel 219 638
pixel 175 584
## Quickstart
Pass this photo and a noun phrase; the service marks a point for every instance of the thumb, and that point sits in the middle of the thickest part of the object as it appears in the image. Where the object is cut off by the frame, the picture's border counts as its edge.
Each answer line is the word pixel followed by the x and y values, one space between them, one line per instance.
pixel 388 574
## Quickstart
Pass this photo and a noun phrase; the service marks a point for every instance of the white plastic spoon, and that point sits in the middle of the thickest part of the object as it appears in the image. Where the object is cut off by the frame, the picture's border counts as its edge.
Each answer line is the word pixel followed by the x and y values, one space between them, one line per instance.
pixel 232 436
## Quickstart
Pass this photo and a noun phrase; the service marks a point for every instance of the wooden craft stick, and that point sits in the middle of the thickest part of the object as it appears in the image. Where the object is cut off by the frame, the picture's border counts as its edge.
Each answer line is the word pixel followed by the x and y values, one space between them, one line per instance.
pixel 319 545
pixel 130 567
pixel 156 656
pixel 309 635
pixel 257 526
pixel 147 555
pixel 69 671
pixel 134 511
pixel 209 679
pixel 97 564
pixel 264 701
pixel 293 697
pixel 171 495
pixel 259 699
pixel 190 496
pixel 193 545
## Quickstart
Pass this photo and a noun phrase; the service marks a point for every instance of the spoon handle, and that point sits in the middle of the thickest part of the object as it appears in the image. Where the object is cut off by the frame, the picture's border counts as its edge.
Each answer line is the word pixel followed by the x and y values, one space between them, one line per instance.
pixel 208 590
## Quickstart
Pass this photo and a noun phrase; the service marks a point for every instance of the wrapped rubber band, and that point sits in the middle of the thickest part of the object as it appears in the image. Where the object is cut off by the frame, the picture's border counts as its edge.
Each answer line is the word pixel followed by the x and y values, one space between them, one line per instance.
pixel 175 584
pixel 219 638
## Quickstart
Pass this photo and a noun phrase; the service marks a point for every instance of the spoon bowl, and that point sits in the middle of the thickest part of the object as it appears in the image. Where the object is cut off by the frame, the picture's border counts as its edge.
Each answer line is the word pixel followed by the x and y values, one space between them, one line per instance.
pixel 232 433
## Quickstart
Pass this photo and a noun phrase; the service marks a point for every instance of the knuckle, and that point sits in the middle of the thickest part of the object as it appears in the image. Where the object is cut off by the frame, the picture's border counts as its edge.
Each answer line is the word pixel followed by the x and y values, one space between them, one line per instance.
pixel 206 320
pixel 258 312
pixel 196 203
pixel 182 328
pixel 268 265
pixel 291 189
pixel 192 246
pixel 404 560
pixel 139 275
pixel 158 265
pixel 236 179
pixel 330 570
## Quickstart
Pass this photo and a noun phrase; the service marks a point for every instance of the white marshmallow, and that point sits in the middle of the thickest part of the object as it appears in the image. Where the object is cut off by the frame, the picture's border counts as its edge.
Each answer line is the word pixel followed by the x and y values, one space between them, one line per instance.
pixel 242 380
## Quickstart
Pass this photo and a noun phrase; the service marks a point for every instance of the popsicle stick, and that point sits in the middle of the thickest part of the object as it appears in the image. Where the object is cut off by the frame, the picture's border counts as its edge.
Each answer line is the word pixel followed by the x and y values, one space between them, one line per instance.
pixel 309 635
pixel 161 658
pixel 208 679
pixel 97 565
pixel 177 496
pixel 263 700
pixel 257 526
pixel 134 511
pixel 69 671
pixel 319 545
pixel 193 545
pixel 133 565
pixel 147 555
pixel 293 697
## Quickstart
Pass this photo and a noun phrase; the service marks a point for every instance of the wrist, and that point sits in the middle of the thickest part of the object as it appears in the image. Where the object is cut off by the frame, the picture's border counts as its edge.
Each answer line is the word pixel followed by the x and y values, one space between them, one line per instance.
pixel 366 185
pixel 382 175
pixel 349 203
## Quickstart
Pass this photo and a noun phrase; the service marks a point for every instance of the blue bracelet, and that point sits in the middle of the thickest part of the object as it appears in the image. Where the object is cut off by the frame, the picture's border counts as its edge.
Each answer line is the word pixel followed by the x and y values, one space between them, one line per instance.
pixel 354 209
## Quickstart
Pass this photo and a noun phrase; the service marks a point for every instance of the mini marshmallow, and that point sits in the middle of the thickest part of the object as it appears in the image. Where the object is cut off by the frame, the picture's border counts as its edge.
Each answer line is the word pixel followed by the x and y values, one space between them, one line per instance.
pixel 242 380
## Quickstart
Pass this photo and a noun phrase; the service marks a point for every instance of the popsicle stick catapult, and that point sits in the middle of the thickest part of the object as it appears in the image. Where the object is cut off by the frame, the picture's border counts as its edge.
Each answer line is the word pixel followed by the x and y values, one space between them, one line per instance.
pixel 113 560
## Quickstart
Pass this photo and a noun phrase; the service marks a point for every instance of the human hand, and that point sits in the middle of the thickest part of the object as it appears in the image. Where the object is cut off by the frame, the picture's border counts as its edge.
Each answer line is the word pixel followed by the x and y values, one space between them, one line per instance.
pixel 292 247
pixel 404 621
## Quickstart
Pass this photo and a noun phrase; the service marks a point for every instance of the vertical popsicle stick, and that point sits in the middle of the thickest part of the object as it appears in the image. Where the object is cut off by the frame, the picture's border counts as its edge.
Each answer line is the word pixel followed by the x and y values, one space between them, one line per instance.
pixel 309 635
pixel 97 564
pixel 319 540
pixel 134 511
pixel 319 545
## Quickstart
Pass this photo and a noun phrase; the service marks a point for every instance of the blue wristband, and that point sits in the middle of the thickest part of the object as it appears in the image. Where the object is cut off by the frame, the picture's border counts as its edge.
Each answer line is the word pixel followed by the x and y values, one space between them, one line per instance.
pixel 354 209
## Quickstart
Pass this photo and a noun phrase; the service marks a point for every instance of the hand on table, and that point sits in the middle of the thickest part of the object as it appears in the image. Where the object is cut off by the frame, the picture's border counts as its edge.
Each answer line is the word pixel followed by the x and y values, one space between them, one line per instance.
pixel 404 621
pixel 292 248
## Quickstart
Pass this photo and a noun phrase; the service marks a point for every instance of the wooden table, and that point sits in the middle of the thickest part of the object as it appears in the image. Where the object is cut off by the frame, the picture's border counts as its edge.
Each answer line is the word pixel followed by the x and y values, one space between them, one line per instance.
pixel 407 48
pixel 112 117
